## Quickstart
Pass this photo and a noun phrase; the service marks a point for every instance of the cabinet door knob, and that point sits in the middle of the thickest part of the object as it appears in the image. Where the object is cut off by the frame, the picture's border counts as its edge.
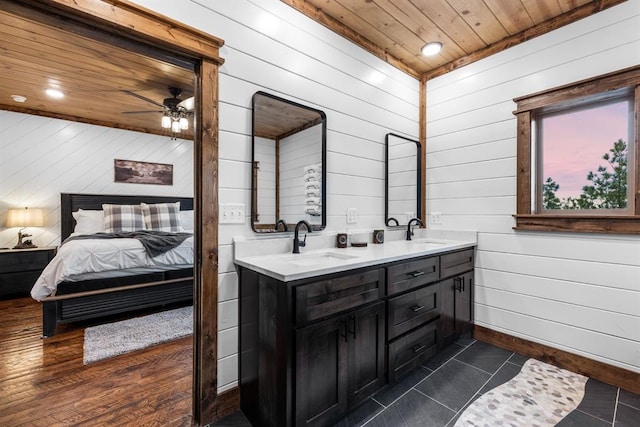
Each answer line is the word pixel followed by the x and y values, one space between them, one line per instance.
pixel 416 308
pixel 416 273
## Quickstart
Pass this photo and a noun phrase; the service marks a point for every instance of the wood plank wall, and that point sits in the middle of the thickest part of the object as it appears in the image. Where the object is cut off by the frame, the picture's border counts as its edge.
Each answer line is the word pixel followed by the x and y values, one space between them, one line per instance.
pixel 42 157
pixel 575 292
pixel 269 46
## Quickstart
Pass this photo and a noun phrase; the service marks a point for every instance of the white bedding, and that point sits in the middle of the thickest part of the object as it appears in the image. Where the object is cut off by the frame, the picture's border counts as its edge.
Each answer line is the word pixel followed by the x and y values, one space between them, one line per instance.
pixel 100 255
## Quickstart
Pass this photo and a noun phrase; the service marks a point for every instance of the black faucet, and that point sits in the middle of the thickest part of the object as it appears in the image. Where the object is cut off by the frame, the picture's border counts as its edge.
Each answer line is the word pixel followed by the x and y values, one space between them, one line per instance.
pixel 296 242
pixel 284 225
pixel 392 219
pixel 409 230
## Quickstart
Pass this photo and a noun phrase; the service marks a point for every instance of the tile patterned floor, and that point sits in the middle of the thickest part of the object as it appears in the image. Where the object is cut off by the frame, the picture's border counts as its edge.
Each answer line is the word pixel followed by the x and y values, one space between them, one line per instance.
pixel 436 393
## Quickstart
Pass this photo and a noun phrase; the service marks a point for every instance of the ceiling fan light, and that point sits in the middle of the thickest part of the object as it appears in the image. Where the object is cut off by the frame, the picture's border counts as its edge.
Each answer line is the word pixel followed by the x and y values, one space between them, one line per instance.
pixel 187 104
pixel 166 122
pixel 431 48
pixel 184 123
pixel 175 127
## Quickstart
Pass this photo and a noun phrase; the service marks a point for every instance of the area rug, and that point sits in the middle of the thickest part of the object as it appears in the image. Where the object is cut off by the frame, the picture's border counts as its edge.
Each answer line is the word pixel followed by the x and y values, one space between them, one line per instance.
pixel 112 339
pixel 540 395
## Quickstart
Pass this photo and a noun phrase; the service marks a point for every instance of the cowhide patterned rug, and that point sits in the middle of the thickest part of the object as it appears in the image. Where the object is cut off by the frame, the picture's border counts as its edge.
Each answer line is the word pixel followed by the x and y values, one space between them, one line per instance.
pixel 540 395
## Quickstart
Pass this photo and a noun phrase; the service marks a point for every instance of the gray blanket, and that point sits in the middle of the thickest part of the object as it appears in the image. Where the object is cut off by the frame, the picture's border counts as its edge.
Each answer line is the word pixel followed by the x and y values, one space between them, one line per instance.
pixel 154 242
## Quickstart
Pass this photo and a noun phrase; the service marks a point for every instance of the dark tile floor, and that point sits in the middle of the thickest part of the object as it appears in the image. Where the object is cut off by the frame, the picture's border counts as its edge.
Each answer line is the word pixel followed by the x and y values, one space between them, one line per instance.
pixel 436 393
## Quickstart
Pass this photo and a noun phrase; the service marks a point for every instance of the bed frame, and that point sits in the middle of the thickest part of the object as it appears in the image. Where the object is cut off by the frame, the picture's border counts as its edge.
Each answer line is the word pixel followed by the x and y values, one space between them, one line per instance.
pixel 104 297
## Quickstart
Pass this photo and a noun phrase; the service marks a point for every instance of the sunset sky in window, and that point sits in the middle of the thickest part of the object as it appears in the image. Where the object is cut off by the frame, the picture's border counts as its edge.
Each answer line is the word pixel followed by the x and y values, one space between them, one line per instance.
pixel 574 143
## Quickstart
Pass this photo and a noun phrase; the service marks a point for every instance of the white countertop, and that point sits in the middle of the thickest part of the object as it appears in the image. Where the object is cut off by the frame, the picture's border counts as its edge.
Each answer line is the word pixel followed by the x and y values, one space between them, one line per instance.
pixel 285 266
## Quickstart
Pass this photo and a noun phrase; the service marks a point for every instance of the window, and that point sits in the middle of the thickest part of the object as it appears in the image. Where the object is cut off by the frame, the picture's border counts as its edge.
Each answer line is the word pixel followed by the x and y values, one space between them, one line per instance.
pixel 578 160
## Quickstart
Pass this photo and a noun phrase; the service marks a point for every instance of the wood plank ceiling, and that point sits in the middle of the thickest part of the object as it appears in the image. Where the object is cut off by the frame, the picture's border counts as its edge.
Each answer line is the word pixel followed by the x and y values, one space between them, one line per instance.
pixel 396 30
pixel 102 82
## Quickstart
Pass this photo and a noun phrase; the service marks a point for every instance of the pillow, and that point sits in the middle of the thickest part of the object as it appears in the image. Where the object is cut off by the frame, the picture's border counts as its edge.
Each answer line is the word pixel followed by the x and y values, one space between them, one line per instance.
pixel 122 218
pixel 186 219
pixel 162 216
pixel 88 222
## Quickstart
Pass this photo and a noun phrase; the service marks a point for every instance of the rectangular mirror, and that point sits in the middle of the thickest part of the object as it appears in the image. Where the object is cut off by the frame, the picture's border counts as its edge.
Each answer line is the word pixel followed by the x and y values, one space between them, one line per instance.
pixel 402 190
pixel 288 165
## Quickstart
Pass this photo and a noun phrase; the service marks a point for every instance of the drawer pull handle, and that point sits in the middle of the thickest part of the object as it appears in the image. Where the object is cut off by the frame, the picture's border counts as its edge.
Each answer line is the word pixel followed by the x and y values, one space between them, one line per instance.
pixel 416 273
pixel 418 348
pixel 416 308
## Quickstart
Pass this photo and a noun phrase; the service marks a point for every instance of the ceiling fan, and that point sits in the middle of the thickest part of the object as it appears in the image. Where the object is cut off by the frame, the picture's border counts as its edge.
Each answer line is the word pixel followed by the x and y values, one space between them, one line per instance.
pixel 175 112
pixel 168 104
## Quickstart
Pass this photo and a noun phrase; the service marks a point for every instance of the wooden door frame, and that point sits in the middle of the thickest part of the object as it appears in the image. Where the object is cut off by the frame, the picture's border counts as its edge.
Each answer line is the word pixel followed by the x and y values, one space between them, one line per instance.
pixel 135 23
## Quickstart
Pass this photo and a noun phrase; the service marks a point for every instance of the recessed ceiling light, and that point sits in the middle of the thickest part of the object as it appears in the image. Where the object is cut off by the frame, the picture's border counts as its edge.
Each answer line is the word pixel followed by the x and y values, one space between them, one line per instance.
pixel 431 48
pixel 54 93
pixel 18 98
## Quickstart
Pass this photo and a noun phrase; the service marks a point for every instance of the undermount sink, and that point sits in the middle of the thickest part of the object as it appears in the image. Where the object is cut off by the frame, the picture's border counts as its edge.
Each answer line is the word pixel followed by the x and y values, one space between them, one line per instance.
pixel 429 242
pixel 306 260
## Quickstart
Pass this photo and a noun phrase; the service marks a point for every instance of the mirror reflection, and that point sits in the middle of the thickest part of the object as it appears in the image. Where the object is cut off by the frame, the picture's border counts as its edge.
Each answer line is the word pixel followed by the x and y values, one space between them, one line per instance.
pixel 288 158
pixel 402 191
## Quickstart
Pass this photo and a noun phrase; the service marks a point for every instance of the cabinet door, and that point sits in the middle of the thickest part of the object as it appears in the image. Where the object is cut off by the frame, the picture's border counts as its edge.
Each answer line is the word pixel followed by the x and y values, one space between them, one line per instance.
pixel 365 330
pixel 321 372
pixel 447 324
pixel 463 301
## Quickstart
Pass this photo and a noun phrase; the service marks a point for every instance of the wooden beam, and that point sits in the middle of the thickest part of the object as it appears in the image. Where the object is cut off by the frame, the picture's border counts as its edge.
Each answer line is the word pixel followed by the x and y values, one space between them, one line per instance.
pixel 143 23
pixel 423 149
pixel 205 358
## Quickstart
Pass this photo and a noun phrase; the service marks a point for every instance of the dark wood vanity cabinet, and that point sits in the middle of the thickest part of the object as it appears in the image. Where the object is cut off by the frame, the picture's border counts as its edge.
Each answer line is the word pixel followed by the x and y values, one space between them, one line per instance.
pixel 310 350
pixel 456 313
pixel 339 363
pixel 313 349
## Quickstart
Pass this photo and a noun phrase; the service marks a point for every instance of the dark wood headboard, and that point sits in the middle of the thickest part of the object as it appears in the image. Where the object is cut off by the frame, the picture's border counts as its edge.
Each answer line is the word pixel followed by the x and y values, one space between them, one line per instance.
pixel 70 202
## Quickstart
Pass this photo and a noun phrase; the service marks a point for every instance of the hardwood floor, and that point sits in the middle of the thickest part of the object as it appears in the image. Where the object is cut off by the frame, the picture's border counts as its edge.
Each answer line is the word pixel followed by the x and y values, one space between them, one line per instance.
pixel 44 383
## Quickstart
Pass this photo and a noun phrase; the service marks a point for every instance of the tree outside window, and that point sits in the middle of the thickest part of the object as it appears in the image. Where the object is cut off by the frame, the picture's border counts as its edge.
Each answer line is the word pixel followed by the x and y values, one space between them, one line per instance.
pixel 578 160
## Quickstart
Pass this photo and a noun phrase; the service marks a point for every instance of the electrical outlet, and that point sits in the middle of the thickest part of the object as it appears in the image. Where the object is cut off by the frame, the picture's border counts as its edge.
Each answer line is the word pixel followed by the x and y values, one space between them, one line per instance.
pixel 409 216
pixel 352 216
pixel 232 213
pixel 436 218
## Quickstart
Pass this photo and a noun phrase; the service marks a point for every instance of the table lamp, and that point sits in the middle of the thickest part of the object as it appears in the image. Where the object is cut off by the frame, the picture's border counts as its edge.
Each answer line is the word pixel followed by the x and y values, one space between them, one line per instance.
pixel 24 218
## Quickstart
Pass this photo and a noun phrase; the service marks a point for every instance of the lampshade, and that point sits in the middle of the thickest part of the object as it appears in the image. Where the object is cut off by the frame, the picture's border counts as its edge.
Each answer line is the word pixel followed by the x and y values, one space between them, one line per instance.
pixel 25 218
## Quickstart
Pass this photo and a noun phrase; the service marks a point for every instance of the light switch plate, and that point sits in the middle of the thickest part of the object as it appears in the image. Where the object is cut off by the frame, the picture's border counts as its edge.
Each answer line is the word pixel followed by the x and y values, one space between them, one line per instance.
pixel 352 216
pixel 232 213
pixel 436 217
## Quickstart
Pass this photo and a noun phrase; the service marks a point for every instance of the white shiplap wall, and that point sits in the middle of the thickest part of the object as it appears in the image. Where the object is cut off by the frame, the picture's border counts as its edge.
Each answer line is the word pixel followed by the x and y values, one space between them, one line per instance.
pixel 41 157
pixel 270 46
pixel 576 292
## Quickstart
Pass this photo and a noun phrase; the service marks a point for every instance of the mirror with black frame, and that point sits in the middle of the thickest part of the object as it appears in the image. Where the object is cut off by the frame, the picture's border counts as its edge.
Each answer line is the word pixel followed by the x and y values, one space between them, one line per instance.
pixel 402 180
pixel 288 165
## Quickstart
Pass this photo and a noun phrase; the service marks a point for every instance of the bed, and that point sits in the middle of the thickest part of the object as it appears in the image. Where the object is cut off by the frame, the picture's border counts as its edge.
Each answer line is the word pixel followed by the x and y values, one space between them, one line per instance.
pixel 115 291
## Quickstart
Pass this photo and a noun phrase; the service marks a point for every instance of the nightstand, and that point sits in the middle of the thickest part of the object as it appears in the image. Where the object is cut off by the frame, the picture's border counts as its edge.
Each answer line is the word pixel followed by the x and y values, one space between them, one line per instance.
pixel 20 268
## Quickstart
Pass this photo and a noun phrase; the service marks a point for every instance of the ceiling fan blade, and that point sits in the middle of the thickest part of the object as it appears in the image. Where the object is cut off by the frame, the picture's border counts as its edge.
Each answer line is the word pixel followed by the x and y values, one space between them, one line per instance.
pixel 144 98
pixel 142 112
pixel 187 104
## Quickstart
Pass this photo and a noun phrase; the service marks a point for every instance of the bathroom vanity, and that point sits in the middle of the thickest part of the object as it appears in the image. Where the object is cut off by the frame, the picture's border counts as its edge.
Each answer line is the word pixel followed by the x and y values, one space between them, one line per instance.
pixel 323 330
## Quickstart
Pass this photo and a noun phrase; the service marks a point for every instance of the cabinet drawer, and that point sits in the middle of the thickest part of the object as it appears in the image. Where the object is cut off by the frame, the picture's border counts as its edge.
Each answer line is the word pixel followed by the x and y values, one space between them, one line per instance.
pixel 412 274
pixel 325 298
pixel 23 261
pixel 413 309
pixel 407 352
pixel 456 263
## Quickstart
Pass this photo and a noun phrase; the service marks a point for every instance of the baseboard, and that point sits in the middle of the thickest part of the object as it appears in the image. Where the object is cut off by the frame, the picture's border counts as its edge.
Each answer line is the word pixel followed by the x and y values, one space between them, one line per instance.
pixel 609 374
pixel 228 402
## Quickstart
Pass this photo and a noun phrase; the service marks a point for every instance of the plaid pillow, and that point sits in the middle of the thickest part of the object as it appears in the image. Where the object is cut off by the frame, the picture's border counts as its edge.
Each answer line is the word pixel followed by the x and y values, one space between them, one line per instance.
pixel 162 216
pixel 122 218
